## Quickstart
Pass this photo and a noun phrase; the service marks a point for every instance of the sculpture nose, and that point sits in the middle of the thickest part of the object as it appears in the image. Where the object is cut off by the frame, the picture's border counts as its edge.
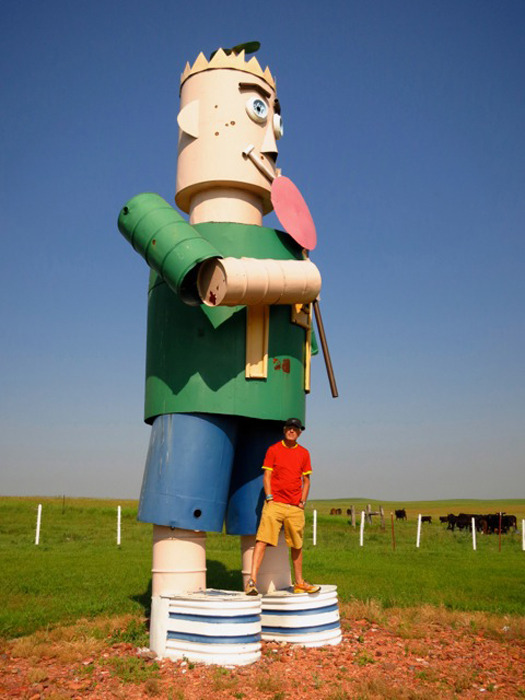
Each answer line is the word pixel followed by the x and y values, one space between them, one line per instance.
pixel 269 144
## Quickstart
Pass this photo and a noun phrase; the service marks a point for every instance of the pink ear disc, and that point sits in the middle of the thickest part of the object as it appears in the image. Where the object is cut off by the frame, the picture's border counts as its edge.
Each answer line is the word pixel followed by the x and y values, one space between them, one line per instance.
pixel 293 213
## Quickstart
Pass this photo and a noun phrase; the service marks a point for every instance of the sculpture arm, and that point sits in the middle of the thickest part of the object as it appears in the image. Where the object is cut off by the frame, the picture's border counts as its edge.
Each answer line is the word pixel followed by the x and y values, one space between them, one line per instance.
pixel 167 242
pixel 191 266
pixel 250 281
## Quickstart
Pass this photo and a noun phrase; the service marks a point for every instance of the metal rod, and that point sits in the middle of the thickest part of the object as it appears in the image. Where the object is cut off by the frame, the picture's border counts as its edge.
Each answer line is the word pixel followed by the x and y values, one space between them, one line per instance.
pixel 326 352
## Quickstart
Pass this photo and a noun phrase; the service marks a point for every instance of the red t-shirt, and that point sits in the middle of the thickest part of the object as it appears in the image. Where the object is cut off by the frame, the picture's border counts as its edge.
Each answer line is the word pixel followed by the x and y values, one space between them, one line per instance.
pixel 288 466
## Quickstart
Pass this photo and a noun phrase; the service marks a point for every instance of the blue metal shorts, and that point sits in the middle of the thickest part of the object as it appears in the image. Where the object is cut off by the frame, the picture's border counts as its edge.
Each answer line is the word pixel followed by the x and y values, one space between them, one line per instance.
pixel 205 469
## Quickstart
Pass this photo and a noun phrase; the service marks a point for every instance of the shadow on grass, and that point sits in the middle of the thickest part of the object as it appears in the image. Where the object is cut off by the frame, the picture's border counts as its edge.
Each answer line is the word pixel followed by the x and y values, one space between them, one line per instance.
pixel 144 600
pixel 217 576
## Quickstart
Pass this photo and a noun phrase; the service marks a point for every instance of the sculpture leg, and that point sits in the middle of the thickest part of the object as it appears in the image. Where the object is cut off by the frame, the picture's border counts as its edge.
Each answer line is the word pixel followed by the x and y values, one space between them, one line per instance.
pixel 179 566
pixel 187 472
pixel 274 573
pixel 179 560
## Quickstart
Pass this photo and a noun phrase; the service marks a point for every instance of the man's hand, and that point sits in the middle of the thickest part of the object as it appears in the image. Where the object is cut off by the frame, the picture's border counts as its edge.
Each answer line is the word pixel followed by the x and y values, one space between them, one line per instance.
pixel 250 281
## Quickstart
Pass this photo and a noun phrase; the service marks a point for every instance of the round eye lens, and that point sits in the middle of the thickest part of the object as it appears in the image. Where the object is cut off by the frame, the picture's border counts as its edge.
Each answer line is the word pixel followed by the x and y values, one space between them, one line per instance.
pixel 257 109
pixel 278 129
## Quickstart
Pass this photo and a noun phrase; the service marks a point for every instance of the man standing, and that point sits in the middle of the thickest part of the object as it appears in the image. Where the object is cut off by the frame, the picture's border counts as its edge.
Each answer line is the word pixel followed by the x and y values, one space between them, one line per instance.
pixel 286 484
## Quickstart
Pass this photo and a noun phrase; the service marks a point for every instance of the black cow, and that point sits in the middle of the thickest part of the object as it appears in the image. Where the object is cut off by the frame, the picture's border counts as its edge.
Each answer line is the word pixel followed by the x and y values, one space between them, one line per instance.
pixel 464 521
pixel 487 524
pixel 451 519
pixel 426 519
pixel 509 521
pixel 401 514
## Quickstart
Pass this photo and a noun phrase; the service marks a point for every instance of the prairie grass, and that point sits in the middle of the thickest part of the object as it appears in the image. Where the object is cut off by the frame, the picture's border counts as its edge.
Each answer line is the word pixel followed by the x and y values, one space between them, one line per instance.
pixel 73 643
pixel 223 679
pixel 132 669
pixel 268 683
pixel 417 623
pixel 78 572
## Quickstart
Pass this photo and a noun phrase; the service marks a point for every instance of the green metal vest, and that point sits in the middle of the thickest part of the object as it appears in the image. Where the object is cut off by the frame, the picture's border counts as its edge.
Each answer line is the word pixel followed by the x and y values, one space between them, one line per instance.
pixel 196 355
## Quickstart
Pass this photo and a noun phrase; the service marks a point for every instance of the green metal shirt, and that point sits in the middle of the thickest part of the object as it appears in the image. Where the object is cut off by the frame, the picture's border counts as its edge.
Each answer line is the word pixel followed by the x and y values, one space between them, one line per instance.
pixel 196 355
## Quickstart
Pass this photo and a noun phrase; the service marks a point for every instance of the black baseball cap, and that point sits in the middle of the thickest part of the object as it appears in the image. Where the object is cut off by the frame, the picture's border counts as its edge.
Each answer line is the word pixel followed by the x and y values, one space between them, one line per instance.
pixel 295 422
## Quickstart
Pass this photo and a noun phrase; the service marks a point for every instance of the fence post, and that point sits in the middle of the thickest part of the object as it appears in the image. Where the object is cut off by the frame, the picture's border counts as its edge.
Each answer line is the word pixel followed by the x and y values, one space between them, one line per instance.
pixel 353 515
pixel 418 530
pixel 523 535
pixel 38 521
pixel 382 516
pixel 315 528
pixel 369 514
pixel 474 534
pixel 499 532
pixel 393 533
pixel 362 528
pixel 119 520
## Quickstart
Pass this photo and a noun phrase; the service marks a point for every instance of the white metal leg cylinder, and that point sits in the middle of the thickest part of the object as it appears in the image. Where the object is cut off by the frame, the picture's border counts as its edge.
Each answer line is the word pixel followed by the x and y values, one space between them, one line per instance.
pixel 274 573
pixel 179 560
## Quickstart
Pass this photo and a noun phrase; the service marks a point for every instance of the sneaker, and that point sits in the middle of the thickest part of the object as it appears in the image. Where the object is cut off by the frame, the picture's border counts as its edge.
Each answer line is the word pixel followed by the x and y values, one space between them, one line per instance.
pixel 305 587
pixel 251 588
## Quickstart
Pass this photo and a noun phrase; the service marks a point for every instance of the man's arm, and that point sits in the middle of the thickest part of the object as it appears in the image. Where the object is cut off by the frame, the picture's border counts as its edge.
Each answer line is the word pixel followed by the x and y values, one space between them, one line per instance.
pixel 305 491
pixel 267 482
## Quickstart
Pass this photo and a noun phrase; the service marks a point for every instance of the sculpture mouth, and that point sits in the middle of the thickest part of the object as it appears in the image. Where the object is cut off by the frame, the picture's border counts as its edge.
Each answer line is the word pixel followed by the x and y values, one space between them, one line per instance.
pixel 264 164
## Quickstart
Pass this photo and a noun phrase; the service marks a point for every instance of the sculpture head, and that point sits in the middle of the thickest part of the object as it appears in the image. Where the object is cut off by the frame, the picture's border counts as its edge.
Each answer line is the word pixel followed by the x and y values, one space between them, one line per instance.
pixel 227 105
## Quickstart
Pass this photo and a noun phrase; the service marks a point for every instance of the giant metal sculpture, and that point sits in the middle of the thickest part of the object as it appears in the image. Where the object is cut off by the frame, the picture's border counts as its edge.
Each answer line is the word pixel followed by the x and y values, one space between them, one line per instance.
pixel 229 319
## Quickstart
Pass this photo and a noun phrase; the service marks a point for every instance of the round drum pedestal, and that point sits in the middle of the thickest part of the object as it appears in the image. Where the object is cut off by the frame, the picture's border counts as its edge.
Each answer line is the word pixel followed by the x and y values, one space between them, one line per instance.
pixel 210 626
pixel 300 618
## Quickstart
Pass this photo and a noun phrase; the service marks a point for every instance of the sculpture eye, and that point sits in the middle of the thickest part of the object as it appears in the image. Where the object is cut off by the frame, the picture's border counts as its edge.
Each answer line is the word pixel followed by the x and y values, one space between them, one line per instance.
pixel 278 129
pixel 257 109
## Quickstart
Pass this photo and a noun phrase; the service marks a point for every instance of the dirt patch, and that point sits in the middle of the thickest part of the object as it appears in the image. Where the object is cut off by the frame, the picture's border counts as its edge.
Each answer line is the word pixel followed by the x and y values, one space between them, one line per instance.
pixel 409 655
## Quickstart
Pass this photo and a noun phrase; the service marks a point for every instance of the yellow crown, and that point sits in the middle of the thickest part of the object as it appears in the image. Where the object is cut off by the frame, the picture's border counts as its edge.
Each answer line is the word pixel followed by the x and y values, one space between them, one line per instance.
pixel 234 61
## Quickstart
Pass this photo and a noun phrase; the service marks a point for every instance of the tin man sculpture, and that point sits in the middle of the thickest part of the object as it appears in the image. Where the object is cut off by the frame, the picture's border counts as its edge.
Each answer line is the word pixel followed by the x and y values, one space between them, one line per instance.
pixel 229 319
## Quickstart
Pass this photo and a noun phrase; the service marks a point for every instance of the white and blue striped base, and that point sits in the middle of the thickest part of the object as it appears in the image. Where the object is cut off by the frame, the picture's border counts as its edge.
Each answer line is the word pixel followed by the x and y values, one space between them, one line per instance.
pixel 211 627
pixel 300 618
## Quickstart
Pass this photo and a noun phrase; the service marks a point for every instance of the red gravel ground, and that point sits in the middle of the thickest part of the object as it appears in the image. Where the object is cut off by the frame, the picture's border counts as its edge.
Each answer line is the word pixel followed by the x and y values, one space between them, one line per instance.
pixel 423 654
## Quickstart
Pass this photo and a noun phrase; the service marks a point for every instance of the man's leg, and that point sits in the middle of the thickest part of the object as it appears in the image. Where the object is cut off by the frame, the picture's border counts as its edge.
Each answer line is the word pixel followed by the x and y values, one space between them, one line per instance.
pixel 294 530
pixel 267 534
pixel 250 587
pixel 297 562
pixel 258 556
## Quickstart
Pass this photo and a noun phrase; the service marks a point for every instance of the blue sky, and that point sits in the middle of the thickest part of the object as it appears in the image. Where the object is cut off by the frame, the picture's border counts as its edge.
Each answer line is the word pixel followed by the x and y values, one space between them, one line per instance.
pixel 404 129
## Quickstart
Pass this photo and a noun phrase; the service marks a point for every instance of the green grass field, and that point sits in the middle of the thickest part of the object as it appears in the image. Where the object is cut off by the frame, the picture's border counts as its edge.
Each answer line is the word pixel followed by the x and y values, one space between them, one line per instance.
pixel 77 570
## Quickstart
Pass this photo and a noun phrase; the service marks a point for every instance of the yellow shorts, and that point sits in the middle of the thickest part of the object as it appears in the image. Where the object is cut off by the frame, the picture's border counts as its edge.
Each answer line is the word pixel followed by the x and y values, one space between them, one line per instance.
pixel 274 516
